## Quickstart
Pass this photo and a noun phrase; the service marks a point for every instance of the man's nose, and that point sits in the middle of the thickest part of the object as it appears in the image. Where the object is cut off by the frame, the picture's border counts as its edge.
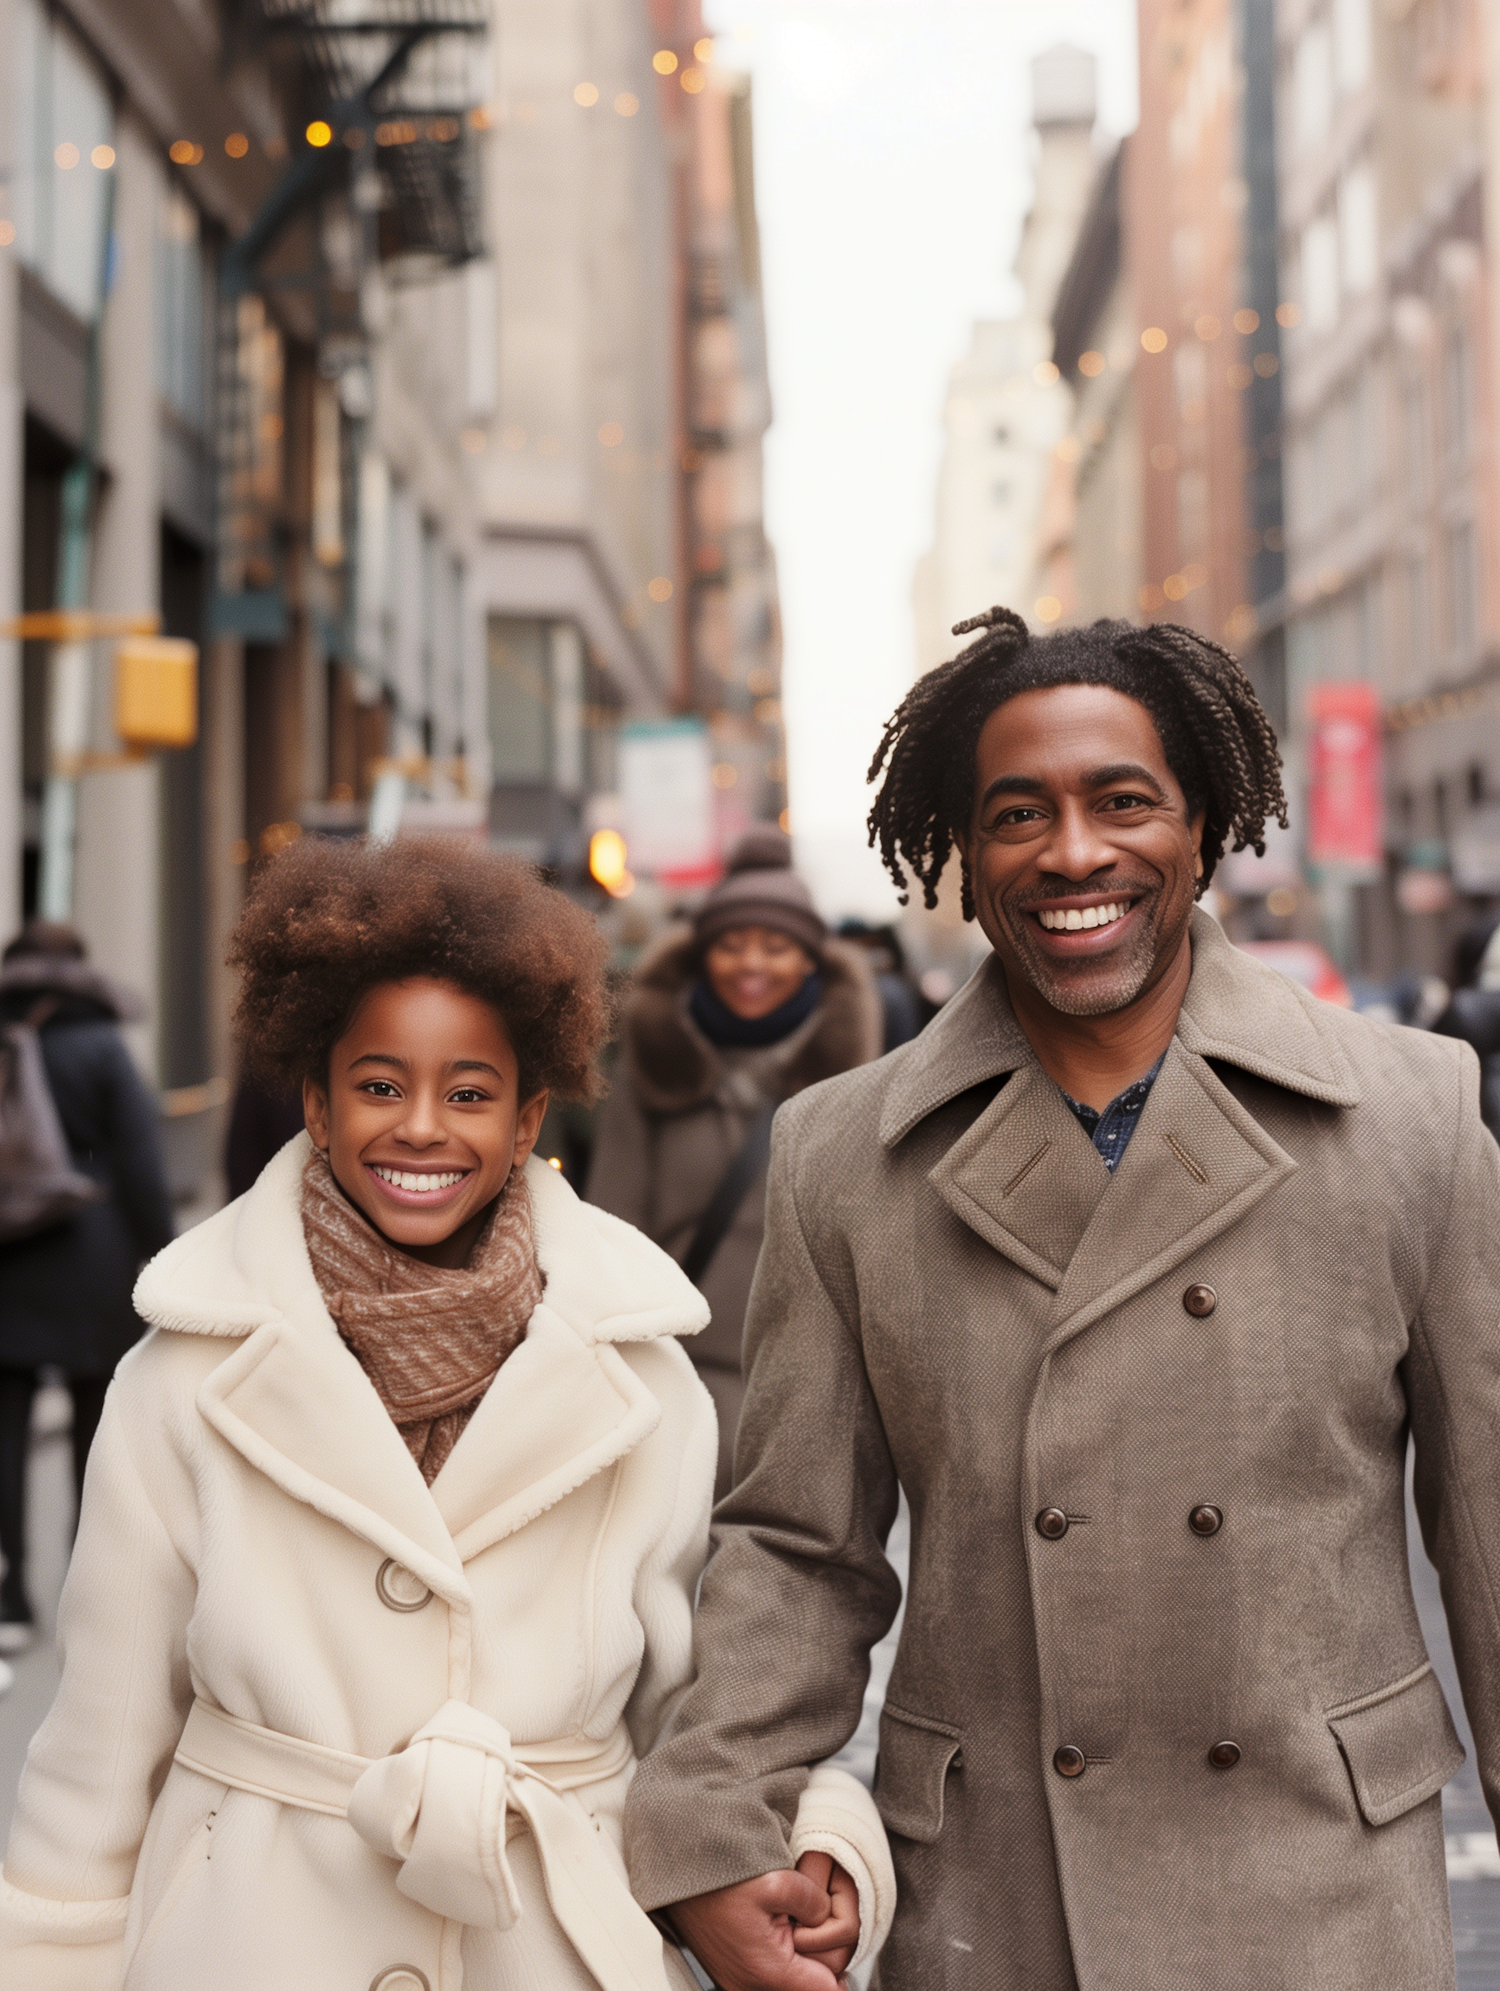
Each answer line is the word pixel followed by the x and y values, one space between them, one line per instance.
pixel 1076 848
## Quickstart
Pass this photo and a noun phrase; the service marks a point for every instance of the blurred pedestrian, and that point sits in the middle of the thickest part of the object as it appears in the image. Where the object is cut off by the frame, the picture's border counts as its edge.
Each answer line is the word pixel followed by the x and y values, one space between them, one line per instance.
pixel 751 1004
pixel 260 1125
pixel 903 1007
pixel 65 1293
pixel 1473 1013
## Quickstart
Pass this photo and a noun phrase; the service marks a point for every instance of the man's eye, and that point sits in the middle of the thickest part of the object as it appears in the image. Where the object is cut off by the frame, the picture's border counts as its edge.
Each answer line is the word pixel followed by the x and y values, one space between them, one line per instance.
pixel 1009 818
pixel 1120 803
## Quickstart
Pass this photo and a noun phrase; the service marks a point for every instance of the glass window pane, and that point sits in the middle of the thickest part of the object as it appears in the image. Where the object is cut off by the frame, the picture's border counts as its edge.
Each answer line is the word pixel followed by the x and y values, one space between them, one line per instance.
pixel 81 120
pixel 520 674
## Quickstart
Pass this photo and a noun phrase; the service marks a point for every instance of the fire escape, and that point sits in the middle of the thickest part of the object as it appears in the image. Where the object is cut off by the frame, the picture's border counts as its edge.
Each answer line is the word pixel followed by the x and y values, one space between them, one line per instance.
pixel 382 105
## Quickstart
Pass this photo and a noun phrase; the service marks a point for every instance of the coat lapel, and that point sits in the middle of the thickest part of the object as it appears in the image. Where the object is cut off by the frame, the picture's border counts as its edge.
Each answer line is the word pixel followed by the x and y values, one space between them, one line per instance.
pixel 1026 1177
pixel 294 1402
pixel 557 1413
pixel 1195 1164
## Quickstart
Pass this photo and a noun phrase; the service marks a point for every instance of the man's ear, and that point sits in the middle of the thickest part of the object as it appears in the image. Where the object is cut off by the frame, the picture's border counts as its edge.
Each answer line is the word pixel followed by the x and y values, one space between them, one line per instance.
pixel 315 1113
pixel 1195 830
pixel 528 1127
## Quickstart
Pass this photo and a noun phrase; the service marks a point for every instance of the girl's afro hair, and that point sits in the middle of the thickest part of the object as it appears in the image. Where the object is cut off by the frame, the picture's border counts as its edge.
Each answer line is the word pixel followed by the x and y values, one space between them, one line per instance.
pixel 327 921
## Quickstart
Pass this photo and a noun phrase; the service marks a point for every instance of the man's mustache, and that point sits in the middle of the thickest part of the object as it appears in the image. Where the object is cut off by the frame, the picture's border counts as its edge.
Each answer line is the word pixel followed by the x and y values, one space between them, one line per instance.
pixel 1069 888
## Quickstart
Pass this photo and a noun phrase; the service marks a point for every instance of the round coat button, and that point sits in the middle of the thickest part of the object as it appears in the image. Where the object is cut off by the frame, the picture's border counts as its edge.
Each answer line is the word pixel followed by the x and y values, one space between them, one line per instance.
pixel 399 1590
pixel 1069 1762
pixel 1200 1301
pixel 1053 1523
pixel 404 1977
pixel 1224 1755
pixel 1206 1520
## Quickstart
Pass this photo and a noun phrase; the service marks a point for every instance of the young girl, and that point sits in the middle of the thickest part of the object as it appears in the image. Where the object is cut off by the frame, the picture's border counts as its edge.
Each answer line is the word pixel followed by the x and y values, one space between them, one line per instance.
pixel 392 1527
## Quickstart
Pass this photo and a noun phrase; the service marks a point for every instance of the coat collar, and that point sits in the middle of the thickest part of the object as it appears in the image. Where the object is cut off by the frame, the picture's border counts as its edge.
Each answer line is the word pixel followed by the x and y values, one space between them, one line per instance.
pixel 1025 1176
pixel 293 1401
pixel 1236 1010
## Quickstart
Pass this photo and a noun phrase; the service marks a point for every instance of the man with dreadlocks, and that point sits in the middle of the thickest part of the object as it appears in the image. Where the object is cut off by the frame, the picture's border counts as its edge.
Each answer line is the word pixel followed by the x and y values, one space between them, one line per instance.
pixel 1135 1271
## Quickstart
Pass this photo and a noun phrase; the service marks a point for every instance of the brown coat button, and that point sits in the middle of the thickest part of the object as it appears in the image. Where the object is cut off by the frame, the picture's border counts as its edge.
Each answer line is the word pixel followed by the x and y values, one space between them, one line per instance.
pixel 1200 1301
pixel 1070 1762
pixel 1224 1755
pixel 1052 1523
pixel 1206 1520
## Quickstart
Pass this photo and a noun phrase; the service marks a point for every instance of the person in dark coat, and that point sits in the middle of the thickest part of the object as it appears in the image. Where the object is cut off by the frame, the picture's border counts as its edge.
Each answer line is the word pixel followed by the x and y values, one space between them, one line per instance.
pixel 65 1294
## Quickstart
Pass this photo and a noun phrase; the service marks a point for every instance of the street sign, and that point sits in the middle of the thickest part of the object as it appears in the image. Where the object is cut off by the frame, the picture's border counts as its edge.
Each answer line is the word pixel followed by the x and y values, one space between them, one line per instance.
pixel 666 800
pixel 1346 783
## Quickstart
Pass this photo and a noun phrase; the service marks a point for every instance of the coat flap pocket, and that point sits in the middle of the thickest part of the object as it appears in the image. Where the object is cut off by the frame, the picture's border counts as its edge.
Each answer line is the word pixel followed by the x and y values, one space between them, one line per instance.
pixel 1400 1744
pixel 916 1754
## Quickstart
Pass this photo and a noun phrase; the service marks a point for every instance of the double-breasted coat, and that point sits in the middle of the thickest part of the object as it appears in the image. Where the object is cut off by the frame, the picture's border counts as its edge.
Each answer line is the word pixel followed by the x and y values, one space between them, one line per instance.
pixel 1161 1713
pixel 267 1602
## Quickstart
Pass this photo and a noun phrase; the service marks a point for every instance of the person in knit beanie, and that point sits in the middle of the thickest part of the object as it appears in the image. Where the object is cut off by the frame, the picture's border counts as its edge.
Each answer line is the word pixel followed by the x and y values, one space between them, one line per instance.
pixel 728 1016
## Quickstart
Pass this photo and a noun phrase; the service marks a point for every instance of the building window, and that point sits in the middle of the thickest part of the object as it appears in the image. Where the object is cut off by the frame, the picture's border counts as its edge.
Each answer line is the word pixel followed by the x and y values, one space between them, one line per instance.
pixel 1312 84
pixel 1458 393
pixel 1417 619
pixel 1359 231
pixel 1416 437
pixel 520 700
pixel 1192 514
pixel 1320 273
pixel 181 298
pixel 1352 49
pixel 64 123
pixel 1463 589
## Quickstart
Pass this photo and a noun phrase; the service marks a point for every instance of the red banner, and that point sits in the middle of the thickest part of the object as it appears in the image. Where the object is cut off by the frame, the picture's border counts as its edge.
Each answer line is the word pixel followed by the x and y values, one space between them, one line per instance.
pixel 1345 782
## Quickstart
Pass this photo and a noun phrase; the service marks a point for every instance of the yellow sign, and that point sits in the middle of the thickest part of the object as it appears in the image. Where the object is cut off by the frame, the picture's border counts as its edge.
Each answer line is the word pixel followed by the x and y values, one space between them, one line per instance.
pixel 156 691
pixel 76 625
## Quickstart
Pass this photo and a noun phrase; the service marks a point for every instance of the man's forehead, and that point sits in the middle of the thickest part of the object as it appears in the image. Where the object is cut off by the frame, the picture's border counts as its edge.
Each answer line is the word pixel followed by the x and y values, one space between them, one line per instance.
pixel 1070 731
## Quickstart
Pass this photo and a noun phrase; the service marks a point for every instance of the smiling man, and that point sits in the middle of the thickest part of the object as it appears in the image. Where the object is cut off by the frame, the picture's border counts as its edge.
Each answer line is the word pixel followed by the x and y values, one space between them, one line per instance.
pixel 1135 1271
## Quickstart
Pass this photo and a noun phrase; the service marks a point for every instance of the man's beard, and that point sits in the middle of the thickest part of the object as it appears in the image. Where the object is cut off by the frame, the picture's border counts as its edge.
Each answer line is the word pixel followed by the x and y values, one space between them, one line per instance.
pixel 1093 987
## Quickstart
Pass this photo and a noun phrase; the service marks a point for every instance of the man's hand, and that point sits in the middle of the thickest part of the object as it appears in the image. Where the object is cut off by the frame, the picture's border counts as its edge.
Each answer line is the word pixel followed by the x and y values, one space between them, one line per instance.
pixel 781 1932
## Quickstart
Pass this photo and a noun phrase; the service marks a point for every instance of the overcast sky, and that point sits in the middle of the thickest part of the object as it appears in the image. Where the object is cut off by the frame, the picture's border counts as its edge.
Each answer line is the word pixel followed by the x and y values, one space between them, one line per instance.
pixel 892 176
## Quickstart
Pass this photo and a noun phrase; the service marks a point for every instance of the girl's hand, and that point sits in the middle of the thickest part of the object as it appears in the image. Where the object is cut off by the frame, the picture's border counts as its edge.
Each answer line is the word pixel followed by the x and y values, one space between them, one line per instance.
pixel 834 1940
pixel 782 1932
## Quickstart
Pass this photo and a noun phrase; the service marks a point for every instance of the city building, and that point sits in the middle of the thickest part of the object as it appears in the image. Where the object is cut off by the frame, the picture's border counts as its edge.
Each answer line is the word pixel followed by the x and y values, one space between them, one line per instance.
pixel 1094 543
pixel 1006 410
pixel 412 365
pixel 624 573
pixel 1201 341
pixel 1390 467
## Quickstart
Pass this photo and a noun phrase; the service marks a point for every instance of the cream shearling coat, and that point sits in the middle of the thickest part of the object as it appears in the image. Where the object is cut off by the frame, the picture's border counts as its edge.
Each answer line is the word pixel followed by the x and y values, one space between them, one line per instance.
pixel 245 1489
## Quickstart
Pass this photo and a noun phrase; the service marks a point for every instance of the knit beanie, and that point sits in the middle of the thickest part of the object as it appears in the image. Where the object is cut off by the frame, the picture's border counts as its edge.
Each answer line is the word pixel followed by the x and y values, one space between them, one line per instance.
pixel 760 888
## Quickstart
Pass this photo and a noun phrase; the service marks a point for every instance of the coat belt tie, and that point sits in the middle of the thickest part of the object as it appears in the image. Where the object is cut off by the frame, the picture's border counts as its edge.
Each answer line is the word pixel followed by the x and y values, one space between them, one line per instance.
pixel 445 1806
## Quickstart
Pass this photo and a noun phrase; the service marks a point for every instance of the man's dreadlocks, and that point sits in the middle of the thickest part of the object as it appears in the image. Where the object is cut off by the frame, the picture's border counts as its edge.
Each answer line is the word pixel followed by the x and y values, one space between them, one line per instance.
pixel 1214 733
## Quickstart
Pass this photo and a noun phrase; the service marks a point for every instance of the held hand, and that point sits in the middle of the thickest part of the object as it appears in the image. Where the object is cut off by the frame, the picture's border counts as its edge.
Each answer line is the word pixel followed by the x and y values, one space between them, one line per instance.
pixel 835 1940
pixel 753 1937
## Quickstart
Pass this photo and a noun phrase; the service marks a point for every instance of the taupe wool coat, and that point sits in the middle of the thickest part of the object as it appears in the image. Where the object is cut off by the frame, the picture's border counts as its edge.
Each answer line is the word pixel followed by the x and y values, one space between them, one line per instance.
pixel 955 1293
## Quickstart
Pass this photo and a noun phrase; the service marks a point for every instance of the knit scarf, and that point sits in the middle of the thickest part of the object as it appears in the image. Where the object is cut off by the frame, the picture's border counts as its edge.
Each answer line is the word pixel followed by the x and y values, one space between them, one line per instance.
pixel 429 1339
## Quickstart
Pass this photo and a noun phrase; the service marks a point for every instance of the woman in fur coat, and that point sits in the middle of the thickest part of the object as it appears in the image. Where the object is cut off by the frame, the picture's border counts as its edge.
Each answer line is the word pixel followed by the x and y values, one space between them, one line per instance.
pixel 727 1018
pixel 392 1526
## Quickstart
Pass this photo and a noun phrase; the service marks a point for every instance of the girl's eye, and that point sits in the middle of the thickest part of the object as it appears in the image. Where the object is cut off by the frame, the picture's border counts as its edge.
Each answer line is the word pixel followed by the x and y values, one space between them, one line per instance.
pixel 467 1095
pixel 381 1088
